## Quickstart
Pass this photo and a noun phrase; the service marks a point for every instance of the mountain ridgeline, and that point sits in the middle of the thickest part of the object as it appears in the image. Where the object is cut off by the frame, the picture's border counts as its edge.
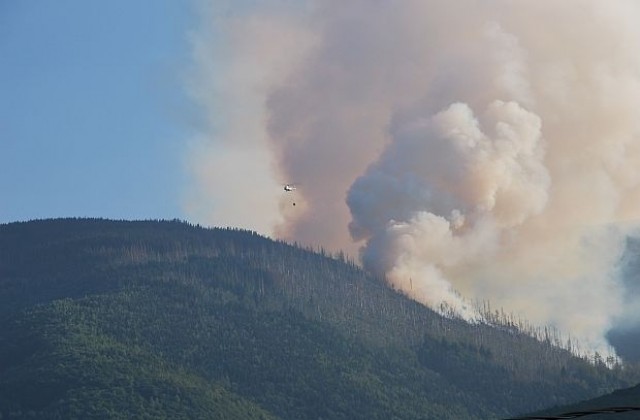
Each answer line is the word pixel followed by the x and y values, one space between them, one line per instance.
pixel 622 398
pixel 163 319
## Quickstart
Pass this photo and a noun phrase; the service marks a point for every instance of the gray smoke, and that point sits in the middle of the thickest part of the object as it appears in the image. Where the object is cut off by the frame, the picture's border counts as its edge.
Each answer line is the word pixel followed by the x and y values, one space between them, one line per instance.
pixel 471 150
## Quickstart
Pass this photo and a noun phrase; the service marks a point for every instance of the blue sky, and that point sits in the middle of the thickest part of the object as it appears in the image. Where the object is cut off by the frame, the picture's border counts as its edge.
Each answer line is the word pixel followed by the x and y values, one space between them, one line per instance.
pixel 93 111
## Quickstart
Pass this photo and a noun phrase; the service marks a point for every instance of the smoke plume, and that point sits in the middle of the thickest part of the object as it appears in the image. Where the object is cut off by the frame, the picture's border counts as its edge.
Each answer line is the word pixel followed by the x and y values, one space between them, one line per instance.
pixel 469 150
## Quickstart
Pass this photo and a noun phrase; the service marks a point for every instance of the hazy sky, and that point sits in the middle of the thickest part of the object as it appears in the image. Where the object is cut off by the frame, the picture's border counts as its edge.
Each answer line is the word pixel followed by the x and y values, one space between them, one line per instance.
pixel 93 114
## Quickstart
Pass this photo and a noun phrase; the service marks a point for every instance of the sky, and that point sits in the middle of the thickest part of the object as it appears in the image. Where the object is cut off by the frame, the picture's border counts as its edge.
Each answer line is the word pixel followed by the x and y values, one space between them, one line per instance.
pixel 451 146
pixel 93 110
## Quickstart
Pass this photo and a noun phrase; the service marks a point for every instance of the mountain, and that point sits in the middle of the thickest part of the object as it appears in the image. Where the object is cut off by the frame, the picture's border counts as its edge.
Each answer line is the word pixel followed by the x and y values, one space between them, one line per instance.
pixel 628 397
pixel 163 319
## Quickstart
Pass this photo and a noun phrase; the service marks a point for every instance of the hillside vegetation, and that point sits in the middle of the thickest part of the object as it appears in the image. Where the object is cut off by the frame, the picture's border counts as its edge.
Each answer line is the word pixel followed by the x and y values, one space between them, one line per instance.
pixel 116 319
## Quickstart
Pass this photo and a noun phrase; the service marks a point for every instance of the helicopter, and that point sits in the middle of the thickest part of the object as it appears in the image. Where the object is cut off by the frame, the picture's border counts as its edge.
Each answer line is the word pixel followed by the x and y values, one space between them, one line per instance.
pixel 290 188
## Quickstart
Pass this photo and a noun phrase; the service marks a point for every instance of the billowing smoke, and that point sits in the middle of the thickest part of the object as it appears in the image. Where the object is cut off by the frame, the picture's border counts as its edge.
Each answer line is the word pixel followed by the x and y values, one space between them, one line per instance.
pixel 239 52
pixel 470 150
pixel 444 197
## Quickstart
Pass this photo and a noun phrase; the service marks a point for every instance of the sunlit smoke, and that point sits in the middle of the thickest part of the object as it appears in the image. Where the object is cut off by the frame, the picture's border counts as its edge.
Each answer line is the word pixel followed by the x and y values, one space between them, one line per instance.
pixel 471 150
pixel 238 55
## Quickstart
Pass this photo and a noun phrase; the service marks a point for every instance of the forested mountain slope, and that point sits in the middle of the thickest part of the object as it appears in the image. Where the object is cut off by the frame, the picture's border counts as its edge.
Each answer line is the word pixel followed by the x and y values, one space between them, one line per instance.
pixel 115 319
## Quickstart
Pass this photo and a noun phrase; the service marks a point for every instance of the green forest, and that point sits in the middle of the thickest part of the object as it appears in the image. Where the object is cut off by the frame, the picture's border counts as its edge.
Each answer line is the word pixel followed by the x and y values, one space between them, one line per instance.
pixel 167 320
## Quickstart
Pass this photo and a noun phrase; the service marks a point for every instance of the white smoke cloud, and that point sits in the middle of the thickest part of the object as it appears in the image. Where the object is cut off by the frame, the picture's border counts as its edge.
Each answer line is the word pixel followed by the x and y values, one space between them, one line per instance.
pixel 439 198
pixel 238 56
pixel 488 150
